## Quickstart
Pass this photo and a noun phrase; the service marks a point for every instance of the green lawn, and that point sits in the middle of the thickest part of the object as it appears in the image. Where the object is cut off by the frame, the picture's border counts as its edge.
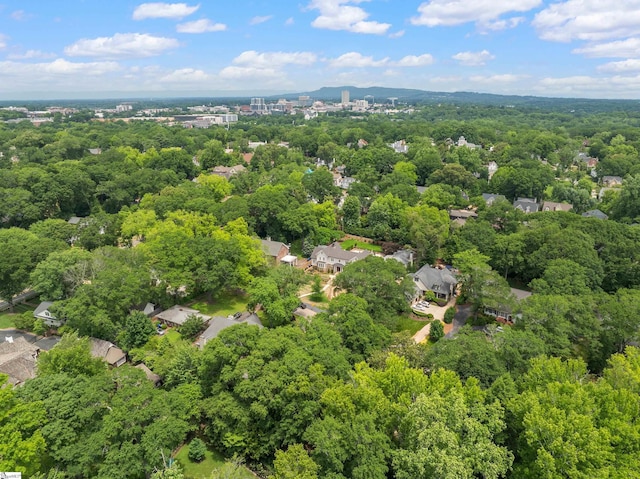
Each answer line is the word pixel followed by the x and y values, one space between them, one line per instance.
pixel 202 470
pixel 349 244
pixel 224 305
pixel 407 324
pixel 6 318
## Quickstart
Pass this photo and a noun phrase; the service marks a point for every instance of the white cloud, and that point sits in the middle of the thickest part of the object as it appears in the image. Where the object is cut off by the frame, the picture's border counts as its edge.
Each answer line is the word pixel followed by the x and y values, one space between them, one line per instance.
pixel 484 12
pixel 260 19
pixel 629 48
pixel 493 79
pixel 339 15
pixel 356 60
pixel 200 26
pixel 164 10
pixel 497 25
pixel 631 65
pixel 274 59
pixel 591 20
pixel 473 59
pixel 253 64
pixel 3 41
pixel 59 67
pixel 30 54
pixel 236 72
pixel 19 15
pixel 290 21
pixel 185 75
pixel 397 34
pixel 122 45
pixel 415 61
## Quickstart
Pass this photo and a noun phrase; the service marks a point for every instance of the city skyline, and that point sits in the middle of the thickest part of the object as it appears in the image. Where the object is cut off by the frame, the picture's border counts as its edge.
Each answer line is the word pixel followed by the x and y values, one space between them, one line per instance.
pixel 88 49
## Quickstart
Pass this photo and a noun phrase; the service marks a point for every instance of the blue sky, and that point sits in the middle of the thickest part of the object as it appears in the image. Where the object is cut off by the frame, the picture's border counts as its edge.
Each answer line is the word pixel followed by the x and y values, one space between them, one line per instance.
pixel 97 48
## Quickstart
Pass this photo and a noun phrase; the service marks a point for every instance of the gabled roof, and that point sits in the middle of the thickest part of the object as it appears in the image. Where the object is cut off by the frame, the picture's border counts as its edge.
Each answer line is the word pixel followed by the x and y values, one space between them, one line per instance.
pixel 434 279
pixel 105 350
pixel 272 248
pixel 551 206
pixel 595 214
pixel 18 359
pixel 335 251
pixel 178 314
pixel 527 205
pixel 151 376
pixel 218 323
pixel 489 198
pixel 42 307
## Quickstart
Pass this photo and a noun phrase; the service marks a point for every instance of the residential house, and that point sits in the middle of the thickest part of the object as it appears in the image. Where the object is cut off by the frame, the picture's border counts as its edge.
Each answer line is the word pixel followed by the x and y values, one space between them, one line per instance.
pixel 274 249
pixel 551 206
pixel 362 143
pixel 333 258
pixel 438 280
pixel 404 256
pixel 491 198
pixel 18 359
pixel 42 312
pixel 611 181
pixel 228 171
pixel 218 323
pixel 399 146
pixel 595 214
pixel 346 182
pixel 463 142
pixel 492 167
pixel 151 376
pixel 526 205
pixel 177 315
pixel 109 352
pixel 506 310
pixel 421 189
pixel 461 216
pixel 149 309
pixel 95 151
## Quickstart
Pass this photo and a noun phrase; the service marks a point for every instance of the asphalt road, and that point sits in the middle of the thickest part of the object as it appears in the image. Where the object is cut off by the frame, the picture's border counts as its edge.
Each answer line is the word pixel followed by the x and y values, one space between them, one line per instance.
pixel 463 313
pixel 15 334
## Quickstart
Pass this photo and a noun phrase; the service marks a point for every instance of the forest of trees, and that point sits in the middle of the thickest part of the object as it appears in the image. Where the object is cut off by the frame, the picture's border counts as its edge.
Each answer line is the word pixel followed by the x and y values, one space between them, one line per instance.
pixel 347 393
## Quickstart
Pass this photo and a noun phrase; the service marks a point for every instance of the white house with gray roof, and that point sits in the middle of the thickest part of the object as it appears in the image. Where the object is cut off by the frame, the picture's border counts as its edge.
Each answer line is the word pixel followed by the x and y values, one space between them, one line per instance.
pixel 440 281
pixel 42 312
pixel 333 258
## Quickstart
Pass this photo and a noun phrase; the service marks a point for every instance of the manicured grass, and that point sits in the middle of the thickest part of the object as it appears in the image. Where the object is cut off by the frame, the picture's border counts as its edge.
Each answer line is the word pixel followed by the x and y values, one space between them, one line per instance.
pixel 6 318
pixel 349 244
pixel 223 305
pixel 172 335
pixel 6 321
pixel 202 470
pixel 407 324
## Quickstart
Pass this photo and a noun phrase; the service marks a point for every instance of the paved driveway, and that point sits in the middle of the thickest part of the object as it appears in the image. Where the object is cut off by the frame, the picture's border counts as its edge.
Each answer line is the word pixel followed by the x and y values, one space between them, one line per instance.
pixel 438 314
pixel 463 313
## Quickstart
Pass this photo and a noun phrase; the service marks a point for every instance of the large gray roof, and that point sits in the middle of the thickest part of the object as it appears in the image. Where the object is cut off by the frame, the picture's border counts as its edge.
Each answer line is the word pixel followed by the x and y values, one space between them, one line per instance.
pixel 272 248
pixel 437 280
pixel 335 251
pixel 595 214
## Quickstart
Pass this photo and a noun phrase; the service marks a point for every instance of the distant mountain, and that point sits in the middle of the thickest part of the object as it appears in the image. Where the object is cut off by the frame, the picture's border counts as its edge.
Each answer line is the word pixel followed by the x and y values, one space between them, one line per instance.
pixel 406 95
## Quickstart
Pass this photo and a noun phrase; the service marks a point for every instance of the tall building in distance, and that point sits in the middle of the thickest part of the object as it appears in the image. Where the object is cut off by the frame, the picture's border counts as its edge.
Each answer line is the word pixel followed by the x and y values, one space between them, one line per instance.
pixel 304 101
pixel 258 105
pixel 345 97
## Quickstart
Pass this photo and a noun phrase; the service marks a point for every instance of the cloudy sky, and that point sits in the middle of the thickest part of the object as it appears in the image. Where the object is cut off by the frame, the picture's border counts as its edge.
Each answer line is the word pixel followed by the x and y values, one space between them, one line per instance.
pixel 96 48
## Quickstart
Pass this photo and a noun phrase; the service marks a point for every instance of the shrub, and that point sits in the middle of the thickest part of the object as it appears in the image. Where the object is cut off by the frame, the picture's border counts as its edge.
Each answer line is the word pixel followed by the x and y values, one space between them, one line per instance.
pixel 449 314
pixel 39 328
pixel 436 333
pixel 429 296
pixel 197 450
pixel 24 321
pixel 192 327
